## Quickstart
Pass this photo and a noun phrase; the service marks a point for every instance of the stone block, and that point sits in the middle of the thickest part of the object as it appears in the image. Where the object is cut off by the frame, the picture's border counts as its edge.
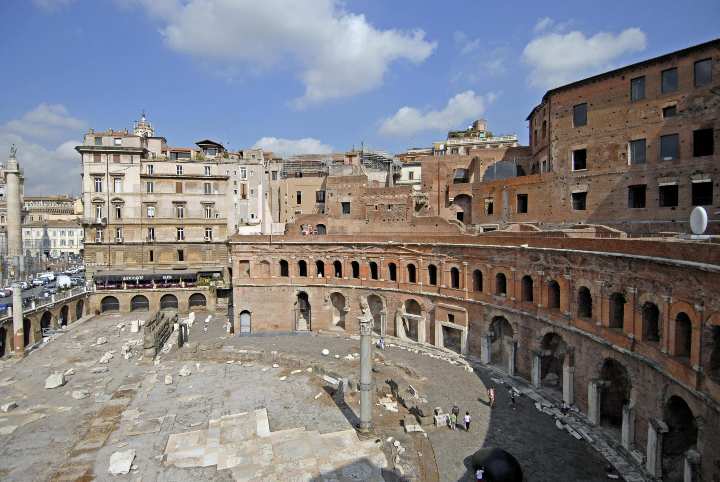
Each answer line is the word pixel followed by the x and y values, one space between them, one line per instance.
pixel 8 406
pixel 120 462
pixel 55 380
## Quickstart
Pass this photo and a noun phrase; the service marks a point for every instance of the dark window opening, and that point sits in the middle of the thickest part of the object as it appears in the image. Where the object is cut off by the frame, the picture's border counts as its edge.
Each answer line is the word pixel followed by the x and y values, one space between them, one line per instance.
pixel 152 255
pixel 579 200
pixel 651 322
pixel 412 274
pixel 636 196
pixel 702 193
pixel 432 274
pixel 683 335
pixel 488 207
pixel 460 176
pixel 669 147
pixel 580 115
pixel 455 278
pixel 337 268
pixel 284 268
pixel 617 310
pixel 669 80
pixel 526 292
pixel 373 270
pixel 703 72
pixel 355 269
pixel 392 272
pixel 320 196
pixel 181 255
pixel 553 295
pixel 302 268
pixel 584 301
pixel 477 280
pixel 298 197
pixel 500 284
pixel 320 269
pixel 703 142
pixel 637 151
pixel 669 111
pixel 579 159
pixel 345 207
pixel 522 203
pixel 668 196
pixel 637 89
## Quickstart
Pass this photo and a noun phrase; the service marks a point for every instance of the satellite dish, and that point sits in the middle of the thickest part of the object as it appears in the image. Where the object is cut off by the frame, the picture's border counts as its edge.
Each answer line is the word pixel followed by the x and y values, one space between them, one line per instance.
pixel 698 220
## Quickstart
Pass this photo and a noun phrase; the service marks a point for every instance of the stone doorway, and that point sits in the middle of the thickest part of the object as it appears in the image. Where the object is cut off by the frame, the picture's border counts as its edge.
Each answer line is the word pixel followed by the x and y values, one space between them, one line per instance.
pixel 501 344
pixel 303 313
pixel 615 393
pixel 681 437
pixel 377 308
pixel 337 300
pixel 452 338
pixel 553 352
pixel 245 322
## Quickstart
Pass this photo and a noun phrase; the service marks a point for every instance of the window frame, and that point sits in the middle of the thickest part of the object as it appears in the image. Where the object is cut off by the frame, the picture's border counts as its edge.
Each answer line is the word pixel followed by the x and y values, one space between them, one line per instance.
pixel 641 95
pixel 584 105
pixel 677 147
pixel 671 89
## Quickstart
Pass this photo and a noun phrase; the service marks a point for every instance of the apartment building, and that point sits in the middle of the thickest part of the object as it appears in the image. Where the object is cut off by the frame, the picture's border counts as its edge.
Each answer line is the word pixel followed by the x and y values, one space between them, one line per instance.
pixel 53 238
pixel 155 210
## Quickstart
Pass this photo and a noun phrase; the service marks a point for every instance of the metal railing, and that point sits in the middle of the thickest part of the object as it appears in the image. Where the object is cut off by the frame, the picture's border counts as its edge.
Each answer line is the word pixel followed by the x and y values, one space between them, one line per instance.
pixel 51 300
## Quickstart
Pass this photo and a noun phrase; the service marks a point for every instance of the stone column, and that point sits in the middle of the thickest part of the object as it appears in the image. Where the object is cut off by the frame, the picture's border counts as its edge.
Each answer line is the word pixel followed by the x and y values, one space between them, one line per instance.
pixel 366 356
pixel 627 430
pixel 511 358
pixel 568 383
pixel 656 429
pixel 536 369
pixel 17 316
pixel 485 343
pixel 13 183
pixel 594 399
pixel 691 469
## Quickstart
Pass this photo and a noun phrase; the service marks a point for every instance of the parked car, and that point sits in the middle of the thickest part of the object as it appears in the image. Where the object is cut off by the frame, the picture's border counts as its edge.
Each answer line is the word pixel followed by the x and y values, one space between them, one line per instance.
pixel 49 291
pixel 50 276
pixel 5 292
pixel 24 285
pixel 62 281
pixel 38 282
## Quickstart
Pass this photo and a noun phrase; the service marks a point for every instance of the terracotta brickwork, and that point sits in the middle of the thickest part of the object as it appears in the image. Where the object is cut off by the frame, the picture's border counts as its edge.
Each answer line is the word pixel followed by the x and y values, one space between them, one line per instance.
pixel 645 314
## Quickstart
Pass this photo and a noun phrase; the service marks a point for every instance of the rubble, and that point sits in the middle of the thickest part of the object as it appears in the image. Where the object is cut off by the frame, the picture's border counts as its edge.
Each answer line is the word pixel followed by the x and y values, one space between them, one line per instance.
pixel 69 372
pixel 120 462
pixel 184 371
pixel 168 379
pixel 325 352
pixel 101 341
pixel 106 357
pixel 80 394
pixel 55 380
pixel 8 406
pixel 99 369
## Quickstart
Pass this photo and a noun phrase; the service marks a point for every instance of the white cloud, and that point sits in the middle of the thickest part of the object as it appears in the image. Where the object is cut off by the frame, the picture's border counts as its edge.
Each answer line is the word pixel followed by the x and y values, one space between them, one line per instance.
pixel 466 44
pixel 461 108
pixel 557 58
pixel 45 122
pixel 289 147
pixel 46 152
pixel 339 53
pixel 543 24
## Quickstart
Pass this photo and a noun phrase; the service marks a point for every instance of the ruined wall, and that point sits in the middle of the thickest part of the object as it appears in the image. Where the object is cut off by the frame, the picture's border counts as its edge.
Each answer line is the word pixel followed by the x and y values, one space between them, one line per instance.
pixel 655 369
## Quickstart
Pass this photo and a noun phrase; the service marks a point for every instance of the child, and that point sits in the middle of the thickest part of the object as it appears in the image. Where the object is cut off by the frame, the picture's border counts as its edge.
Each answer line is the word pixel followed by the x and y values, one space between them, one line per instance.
pixel 453 421
pixel 467 421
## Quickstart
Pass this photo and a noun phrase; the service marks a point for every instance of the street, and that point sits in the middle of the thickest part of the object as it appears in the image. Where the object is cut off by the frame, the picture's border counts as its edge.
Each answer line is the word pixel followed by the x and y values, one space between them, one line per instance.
pixel 35 291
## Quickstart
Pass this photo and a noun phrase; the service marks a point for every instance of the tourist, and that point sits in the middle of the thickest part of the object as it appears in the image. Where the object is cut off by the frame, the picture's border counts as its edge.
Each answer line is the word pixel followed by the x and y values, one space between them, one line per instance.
pixel 456 411
pixel 512 397
pixel 381 343
pixel 491 396
pixel 564 408
pixel 467 421
pixel 452 421
pixel 479 474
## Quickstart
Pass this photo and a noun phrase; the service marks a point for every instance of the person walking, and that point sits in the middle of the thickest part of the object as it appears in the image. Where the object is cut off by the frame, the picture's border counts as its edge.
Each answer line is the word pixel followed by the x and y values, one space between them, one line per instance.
pixel 466 419
pixel 491 396
pixel 512 397
pixel 453 421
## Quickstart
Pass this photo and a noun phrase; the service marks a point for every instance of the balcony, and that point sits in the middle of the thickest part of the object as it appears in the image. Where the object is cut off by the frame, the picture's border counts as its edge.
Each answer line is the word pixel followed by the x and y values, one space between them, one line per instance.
pixel 93 221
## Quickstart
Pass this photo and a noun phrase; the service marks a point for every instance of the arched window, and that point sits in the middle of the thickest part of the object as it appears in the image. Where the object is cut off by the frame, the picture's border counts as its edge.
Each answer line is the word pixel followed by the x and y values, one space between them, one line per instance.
pixel 284 269
pixel 526 289
pixel 337 268
pixel 432 274
pixel 197 300
pixel 109 303
pixel 411 273
pixel 392 272
pixel 651 322
pixel 302 268
pixel 319 269
pixel 355 269
pixel 477 280
pixel 683 335
pixel 553 295
pixel 373 270
pixel 139 303
pixel 454 278
pixel 584 301
pixel 500 284
pixel 617 310
pixel 168 302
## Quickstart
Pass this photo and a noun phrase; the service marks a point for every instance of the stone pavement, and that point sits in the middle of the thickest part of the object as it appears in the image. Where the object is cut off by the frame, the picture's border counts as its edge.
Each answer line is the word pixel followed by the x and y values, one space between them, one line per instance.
pixel 244 443
pixel 126 404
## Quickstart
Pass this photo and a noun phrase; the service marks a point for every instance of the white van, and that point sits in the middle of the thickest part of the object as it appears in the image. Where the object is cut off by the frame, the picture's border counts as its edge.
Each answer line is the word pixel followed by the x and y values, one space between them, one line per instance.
pixel 62 281
pixel 50 276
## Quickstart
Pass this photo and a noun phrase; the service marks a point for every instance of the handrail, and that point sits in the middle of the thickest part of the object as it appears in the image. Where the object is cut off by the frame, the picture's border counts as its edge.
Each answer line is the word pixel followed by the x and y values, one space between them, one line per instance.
pixel 71 293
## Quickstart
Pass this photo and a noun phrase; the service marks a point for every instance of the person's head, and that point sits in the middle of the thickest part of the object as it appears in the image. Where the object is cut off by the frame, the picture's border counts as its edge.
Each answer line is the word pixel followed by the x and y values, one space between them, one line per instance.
pixel 467 413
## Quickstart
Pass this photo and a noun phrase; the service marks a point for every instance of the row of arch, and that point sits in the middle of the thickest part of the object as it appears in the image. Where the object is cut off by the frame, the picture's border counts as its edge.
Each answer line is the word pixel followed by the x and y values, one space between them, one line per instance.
pixel 47 322
pixel 616 391
pixel 111 304
pixel 652 329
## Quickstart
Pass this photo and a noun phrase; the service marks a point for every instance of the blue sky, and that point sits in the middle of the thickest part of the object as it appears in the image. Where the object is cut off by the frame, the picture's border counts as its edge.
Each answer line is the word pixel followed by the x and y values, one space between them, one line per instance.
pixel 304 75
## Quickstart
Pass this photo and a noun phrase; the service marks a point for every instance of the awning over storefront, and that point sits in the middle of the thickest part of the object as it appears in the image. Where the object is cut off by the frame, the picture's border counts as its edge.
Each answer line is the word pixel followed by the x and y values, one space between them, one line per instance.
pixel 166 276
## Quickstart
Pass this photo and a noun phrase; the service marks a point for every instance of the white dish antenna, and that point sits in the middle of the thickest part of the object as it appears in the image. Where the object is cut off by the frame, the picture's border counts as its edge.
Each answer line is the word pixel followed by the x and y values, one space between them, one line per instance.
pixel 698 220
